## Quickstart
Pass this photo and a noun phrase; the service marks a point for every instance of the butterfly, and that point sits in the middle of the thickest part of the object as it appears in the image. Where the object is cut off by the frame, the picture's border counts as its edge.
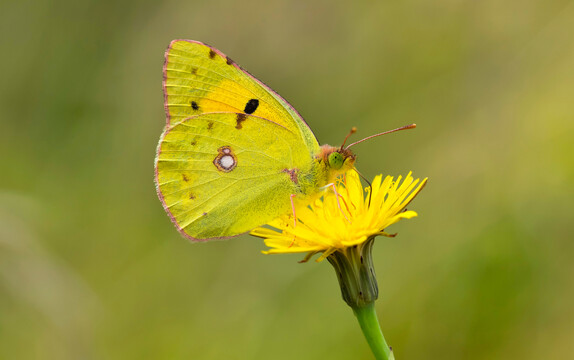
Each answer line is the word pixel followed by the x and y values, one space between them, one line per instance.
pixel 234 154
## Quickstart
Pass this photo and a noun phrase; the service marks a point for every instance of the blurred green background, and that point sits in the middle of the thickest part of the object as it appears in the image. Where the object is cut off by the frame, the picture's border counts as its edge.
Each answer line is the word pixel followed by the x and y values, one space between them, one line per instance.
pixel 92 268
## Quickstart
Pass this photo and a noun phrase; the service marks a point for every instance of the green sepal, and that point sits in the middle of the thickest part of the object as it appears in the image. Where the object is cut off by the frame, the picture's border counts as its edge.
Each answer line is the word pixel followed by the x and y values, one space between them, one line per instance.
pixel 356 274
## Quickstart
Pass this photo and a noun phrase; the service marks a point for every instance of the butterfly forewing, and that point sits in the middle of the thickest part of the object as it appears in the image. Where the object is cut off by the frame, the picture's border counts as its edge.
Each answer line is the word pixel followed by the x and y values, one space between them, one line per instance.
pixel 199 79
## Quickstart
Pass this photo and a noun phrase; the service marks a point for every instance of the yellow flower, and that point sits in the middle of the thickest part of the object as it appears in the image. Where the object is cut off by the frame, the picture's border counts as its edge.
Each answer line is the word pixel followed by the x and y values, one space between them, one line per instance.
pixel 334 223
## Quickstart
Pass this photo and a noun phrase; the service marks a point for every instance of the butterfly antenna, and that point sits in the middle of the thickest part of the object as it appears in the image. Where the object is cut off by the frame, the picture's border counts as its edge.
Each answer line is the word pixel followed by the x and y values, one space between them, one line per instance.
pixel 353 130
pixel 368 182
pixel 406 127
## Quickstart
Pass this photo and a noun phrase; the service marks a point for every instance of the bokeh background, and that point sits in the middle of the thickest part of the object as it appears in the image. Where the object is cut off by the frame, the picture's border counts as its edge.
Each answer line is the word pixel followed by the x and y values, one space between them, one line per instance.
pixel 92 268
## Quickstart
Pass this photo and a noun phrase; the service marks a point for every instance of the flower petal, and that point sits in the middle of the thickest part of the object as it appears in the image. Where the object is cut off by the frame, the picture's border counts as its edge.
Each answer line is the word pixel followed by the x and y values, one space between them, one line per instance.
pixel 334 221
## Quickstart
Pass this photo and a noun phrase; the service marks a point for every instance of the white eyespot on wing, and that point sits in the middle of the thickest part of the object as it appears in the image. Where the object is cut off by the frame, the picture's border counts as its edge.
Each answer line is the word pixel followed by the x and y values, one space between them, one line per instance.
pixel 225 160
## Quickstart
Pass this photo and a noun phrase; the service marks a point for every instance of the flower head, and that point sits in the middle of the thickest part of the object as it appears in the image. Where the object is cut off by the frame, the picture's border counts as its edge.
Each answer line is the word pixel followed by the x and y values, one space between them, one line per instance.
pixel 343 219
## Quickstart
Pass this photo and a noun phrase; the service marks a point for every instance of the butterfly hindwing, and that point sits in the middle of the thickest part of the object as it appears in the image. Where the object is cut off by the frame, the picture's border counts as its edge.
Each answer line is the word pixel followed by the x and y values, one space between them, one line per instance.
pixel 217 181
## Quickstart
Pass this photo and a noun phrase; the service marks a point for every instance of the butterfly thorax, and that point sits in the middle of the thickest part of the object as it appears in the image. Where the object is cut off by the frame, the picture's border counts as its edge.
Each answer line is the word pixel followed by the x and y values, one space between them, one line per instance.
pixel 327 164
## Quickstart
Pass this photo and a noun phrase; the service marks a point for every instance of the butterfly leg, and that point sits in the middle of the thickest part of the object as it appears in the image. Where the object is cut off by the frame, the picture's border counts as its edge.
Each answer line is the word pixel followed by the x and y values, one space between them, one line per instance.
pixel 292 196
pixel 337 195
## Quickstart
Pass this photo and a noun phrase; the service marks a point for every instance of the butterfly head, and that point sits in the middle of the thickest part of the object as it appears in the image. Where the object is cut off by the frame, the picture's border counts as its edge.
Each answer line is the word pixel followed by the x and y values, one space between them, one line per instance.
pixel 341 159
pixel 337 160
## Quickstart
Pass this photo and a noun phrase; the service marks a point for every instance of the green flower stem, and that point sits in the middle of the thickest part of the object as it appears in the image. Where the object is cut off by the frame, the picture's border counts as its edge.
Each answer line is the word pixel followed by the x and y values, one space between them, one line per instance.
pixel 356 275
pixel 367 317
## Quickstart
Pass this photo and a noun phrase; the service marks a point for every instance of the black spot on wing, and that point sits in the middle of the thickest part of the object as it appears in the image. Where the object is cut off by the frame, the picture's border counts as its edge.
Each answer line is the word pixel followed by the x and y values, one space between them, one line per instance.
pixel 210 125
pixel 212 54
pixel 251 106
pixel 228 60
pixel 194 105
pixel 240 118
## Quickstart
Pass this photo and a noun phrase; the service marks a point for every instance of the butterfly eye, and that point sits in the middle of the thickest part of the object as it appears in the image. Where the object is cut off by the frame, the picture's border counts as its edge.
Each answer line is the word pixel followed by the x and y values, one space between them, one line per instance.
pixel 336 160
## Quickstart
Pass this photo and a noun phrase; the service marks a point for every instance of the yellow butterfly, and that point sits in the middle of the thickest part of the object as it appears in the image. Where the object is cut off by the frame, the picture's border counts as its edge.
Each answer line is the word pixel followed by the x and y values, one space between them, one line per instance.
pixel 234 154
